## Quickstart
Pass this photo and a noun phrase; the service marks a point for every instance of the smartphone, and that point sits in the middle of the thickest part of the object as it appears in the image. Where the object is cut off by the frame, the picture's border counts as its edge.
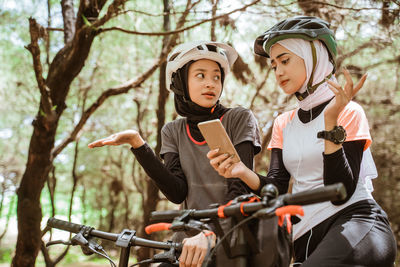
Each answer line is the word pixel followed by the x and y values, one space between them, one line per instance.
pixel 216 137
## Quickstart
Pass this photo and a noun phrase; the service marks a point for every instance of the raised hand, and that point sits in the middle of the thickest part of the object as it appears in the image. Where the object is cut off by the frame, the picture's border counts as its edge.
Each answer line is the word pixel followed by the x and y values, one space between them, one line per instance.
pixel 342 95
pixel 130 137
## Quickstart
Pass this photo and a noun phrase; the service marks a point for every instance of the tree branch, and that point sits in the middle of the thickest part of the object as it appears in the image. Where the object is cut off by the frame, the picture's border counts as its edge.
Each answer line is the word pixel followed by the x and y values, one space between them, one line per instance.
pixel 346 8
pixel 101 30
pixel 357 50
pixel 54 29
pixel 121 89
pixel 48 35
pixel 388 61
pixel 136 182
pixel 8 215
pixel 111 11
pixel 214 4
pixel 67 7
pixel 258 89
pixel 36 32
pixel 88 12
pixel 160 14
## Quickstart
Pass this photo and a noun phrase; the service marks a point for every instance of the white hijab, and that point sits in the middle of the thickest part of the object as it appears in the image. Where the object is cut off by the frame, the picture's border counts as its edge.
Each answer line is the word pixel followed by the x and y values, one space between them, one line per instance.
pixel 323 68
pixel 322 94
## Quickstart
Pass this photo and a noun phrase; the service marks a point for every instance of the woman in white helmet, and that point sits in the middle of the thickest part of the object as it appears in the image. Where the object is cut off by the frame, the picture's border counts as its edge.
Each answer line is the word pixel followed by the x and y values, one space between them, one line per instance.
pixel 195 74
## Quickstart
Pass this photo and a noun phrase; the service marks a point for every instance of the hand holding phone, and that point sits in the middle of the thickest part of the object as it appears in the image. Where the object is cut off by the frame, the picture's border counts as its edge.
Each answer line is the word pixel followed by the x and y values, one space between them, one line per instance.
pixel 216 137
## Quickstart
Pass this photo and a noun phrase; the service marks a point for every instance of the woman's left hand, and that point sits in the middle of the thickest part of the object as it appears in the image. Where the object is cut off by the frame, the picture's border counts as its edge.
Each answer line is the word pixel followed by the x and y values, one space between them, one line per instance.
pixel 226 167
pixel 224 164
pixel 342 96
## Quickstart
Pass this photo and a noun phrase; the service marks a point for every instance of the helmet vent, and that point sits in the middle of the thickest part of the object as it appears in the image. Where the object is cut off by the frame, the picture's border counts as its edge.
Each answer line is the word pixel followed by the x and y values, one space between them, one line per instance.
pixel 313 26
pixel 174 56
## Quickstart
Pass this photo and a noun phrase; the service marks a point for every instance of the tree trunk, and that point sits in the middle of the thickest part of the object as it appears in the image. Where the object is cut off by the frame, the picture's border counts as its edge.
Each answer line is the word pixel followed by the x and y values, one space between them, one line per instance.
pixel 64 68
pixel 29 212
pixel 151 200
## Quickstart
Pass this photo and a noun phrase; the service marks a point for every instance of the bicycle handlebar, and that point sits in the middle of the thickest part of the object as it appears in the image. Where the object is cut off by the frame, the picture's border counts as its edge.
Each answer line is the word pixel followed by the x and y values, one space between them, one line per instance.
pixel 332 192
pixel 327 193
pixel 135 241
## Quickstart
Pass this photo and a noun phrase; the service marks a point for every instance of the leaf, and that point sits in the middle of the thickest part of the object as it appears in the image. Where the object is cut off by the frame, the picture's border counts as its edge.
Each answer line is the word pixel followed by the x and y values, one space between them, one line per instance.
pixel 85 20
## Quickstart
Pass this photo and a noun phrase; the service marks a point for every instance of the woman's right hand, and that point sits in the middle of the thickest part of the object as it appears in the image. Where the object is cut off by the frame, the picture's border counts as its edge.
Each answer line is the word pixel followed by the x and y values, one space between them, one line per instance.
pixel 130 137
pixel 195 249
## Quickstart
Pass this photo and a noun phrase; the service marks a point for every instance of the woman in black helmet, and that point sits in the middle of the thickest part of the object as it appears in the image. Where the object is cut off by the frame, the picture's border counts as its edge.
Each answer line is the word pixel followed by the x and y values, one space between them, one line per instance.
pixel 322 142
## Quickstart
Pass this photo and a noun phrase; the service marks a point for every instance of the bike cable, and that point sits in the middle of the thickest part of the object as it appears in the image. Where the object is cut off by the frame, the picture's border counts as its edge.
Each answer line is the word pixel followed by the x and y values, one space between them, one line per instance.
pixel 214 250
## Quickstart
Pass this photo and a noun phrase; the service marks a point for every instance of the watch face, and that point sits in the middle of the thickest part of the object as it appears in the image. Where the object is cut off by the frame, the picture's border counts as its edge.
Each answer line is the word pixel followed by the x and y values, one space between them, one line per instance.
pixel 339 135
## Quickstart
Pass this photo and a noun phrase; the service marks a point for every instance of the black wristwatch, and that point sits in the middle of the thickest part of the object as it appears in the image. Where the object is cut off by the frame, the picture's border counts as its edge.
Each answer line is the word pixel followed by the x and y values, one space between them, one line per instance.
pixel 337 135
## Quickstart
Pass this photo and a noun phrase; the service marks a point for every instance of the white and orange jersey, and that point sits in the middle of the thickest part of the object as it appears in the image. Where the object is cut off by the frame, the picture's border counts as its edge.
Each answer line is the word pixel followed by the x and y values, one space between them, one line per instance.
pixel 302 156
pixel 352 118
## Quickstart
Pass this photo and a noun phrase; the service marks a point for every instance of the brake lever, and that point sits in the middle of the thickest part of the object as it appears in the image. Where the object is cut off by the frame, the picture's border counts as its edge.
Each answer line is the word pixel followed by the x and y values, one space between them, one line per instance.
pixel 198 226
pixel 56 242
pixel 269 211
pixel 166 257
pixel 242 198
pixel 88 246
pixel 78 239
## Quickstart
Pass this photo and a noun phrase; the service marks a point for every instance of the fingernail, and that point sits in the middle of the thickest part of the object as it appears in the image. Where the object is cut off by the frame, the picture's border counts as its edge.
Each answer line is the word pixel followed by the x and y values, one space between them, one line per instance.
pixel 226 155
pixel 232 156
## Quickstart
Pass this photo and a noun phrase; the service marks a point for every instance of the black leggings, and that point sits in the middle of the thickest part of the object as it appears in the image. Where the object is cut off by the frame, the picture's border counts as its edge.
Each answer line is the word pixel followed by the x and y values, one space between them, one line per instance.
pixel 358 235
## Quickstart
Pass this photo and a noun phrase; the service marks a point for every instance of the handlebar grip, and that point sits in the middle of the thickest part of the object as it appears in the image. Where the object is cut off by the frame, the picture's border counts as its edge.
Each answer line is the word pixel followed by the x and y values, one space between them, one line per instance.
pixel 327 193
pixel 64 225
pixel 165 216
pixel 291 209
pixel 157 227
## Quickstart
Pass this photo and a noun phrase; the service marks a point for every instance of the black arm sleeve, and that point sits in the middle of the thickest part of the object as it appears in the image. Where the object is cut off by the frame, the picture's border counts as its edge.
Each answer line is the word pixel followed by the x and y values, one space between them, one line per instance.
pixel 169 178
pixel 277 174
pixel 235 186
pixel 344 166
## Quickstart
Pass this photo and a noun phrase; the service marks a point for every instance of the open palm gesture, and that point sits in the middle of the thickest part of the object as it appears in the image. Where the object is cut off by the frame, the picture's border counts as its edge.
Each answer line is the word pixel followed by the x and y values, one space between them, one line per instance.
pixel 130 137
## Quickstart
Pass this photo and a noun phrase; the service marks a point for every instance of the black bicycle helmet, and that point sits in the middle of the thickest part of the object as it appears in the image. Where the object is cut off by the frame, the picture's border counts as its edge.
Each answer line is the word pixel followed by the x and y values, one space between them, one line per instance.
pixel 304 27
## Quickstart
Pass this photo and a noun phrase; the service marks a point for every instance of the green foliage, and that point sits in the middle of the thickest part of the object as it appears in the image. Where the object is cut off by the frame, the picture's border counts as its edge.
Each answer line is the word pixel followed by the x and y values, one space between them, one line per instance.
pixel 6 254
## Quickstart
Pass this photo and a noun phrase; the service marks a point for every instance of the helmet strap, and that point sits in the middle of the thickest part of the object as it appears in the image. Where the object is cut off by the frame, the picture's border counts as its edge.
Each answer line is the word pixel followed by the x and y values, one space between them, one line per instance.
pixel 311 88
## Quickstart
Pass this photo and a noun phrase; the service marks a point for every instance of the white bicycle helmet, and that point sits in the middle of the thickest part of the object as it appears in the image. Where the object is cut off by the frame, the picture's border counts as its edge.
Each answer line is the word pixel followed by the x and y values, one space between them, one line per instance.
pixel 225 55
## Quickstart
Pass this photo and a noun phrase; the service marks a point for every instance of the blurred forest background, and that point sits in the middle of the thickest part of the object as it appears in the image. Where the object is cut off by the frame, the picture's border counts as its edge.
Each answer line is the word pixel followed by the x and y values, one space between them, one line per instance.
pixel 75 71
